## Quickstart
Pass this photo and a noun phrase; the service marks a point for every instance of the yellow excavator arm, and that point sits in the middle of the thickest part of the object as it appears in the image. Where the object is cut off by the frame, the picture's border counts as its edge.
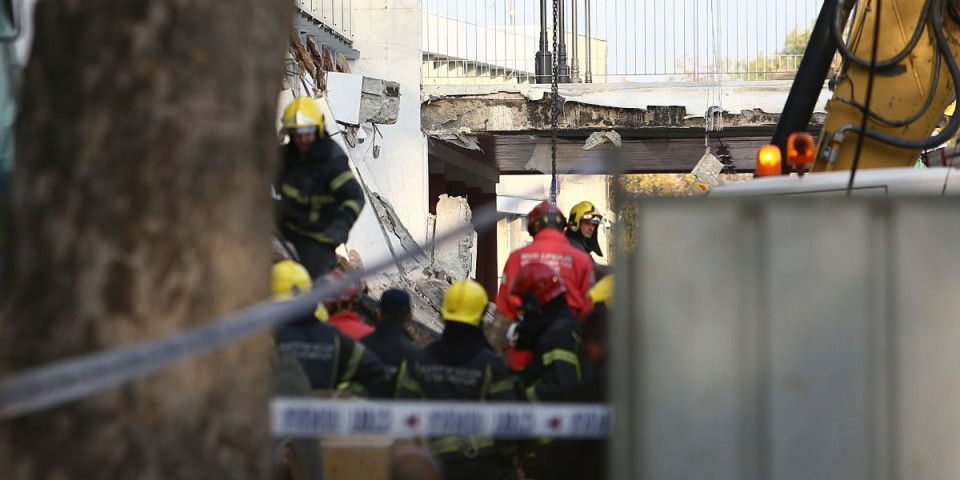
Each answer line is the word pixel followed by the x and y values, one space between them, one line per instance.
pixel 914 81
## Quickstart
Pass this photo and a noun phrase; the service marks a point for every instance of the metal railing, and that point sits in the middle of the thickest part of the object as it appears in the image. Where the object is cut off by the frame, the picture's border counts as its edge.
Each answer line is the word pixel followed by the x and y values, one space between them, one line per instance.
pixel 495 41
pixel 337 15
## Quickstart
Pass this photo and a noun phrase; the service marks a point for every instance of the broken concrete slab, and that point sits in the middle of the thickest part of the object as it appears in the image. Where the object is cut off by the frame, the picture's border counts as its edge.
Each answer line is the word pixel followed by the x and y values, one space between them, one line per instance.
pixel 458 258
pixel 380 101
pixel 391 221
pixel 357 99
pixel 450 116
pixel 768 96
pixel 626 107
pixel 599 138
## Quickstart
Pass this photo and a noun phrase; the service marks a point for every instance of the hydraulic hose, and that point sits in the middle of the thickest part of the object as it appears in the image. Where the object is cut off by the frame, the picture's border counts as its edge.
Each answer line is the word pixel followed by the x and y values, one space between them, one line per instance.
pixel 952 127
pixel 849 55
pixel 934 82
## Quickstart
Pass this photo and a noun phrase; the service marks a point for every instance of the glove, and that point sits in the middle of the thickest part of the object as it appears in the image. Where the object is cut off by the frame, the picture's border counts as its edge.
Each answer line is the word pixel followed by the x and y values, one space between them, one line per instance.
pixel 512 334
pixel 337 232
pixel 529 327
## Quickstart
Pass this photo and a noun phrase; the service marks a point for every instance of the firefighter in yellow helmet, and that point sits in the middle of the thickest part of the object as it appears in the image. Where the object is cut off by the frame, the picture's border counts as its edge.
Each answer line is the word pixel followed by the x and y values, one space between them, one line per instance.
pixel 289 280
pixel 461 365
pixel 331 360
pixel 582 232
pixel 319 198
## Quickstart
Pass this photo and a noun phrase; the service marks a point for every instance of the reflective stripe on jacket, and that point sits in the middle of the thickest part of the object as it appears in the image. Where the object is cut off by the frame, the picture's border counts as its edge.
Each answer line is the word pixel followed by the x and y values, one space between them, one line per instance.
pixel 331 359
pixel 556 369
pixel 317 188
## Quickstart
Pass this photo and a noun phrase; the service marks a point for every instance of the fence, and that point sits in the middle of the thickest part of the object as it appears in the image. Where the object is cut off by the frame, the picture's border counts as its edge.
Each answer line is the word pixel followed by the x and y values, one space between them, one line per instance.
pixel 337 15
pixel 496 41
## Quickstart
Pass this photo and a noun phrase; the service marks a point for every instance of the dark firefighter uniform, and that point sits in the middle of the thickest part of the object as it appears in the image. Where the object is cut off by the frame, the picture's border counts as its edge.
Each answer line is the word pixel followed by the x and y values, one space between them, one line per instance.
pixel 592 457
pixel 461 365
pixel 555 371
pixel 319 198
pixel 390 341
pixel 331 360
pixel 549 328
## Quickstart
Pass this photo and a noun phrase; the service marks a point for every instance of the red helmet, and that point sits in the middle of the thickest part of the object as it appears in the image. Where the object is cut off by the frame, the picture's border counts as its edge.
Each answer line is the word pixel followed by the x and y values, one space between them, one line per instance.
pixel 539 279
pixel 346 294
pixel 545 215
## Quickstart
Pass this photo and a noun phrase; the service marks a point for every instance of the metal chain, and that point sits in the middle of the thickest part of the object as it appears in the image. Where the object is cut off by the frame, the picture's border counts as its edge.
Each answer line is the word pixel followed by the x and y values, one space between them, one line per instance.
pixel 555 104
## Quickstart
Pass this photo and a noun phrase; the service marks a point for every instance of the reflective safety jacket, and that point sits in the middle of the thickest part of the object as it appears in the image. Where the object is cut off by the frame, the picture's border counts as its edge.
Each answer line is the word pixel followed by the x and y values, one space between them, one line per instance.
pixel 331 360
pixel 461 365
pixel 556 369
pixel 552 248
pixel 316 189
pixel 395 348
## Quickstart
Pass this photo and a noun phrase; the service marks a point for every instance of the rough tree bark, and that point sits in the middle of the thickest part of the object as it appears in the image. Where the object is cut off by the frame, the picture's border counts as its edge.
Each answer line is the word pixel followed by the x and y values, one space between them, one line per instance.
pixel 141 208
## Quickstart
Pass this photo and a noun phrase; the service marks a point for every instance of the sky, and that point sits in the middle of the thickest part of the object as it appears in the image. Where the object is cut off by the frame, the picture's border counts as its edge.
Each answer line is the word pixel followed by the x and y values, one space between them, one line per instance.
pixel 644 37
pixel 650 37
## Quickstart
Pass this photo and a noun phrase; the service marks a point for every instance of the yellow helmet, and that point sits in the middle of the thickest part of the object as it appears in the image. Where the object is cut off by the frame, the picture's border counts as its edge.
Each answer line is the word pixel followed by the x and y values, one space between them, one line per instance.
pixel 303 115
pixel 602 292
pixel 289 279
pixel 465 302
pixel 582 211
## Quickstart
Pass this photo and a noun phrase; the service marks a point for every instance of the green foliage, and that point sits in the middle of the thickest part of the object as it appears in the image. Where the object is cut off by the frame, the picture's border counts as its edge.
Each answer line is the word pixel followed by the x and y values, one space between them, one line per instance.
pixel 796 42
pixel 766 67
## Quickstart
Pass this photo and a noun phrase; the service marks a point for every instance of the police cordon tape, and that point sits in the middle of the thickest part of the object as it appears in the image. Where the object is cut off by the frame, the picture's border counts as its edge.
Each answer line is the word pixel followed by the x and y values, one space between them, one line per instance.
pixel 78 377
pixel 311 418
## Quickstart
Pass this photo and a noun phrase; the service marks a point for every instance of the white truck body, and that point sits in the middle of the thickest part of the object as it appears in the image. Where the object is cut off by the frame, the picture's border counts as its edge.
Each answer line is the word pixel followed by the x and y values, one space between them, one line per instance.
pixel 888 181
pixel 789 338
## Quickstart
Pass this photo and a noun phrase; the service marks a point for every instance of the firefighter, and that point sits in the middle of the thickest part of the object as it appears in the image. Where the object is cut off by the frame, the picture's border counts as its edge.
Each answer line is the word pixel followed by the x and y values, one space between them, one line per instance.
pixel 594 389
pixel 547 327
pixel 592 462
pixel 340 307
pixel 461 365
pixel 582 233
pixel 390 341
pixel 545 224
pixel 319 198
pixel 331 360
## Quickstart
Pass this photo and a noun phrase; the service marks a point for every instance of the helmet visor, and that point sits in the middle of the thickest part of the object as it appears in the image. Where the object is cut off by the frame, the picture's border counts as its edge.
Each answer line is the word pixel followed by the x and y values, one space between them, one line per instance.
pixel 593 218
pixel 302 130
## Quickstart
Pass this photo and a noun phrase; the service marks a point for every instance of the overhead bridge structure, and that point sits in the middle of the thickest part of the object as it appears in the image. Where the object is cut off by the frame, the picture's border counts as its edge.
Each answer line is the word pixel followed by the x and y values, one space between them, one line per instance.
pixel 661 126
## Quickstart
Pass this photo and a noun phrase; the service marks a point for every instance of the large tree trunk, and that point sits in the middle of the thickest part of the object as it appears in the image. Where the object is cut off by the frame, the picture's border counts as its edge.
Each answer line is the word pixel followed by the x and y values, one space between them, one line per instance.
pixel 141 208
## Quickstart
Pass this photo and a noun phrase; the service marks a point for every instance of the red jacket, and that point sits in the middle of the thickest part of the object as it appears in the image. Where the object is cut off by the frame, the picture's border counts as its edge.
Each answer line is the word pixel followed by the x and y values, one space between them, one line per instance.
pixel 552 248
pixel 576 270
pixel 351 324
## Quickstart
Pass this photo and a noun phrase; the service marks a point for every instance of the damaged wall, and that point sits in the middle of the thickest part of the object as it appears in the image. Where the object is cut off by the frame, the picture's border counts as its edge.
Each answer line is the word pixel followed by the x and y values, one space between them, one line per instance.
pixel 387 34
pixel 393 223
